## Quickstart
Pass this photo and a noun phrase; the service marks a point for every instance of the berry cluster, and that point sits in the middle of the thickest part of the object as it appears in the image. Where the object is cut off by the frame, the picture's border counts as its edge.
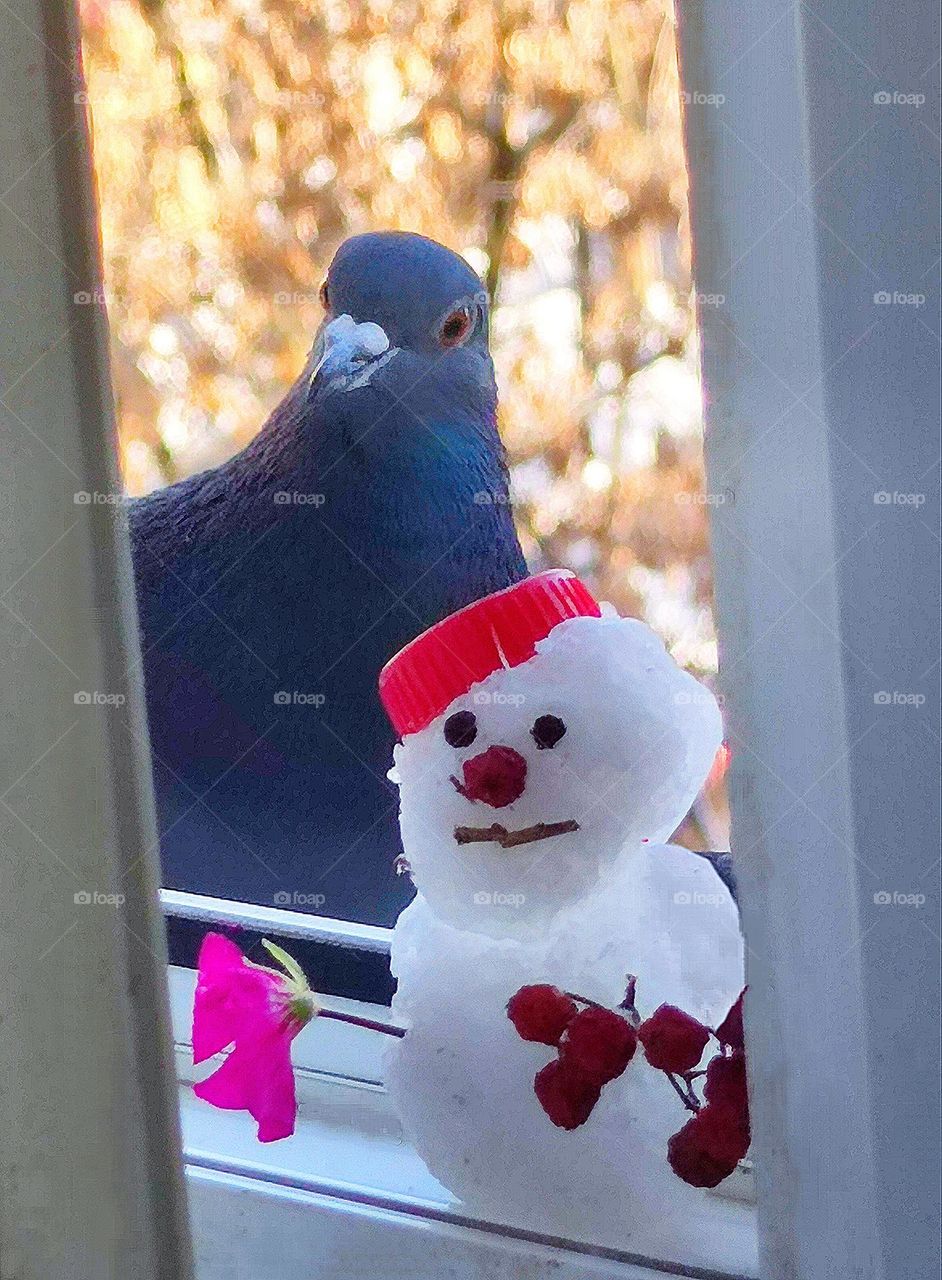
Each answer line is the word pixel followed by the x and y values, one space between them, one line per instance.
pixel 594 1047
pixel 596 1044
pixel 711 1144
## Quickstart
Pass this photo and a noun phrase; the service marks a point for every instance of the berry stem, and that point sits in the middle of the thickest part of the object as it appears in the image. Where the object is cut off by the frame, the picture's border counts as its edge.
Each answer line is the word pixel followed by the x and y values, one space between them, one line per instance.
pixel 628 1004
pixel 593 1004
pixel 687 1096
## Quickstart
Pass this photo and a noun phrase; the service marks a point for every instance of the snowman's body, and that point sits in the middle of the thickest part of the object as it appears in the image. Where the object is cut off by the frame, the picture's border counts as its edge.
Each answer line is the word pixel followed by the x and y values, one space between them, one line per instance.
pixel 580 910
pixel 462 1079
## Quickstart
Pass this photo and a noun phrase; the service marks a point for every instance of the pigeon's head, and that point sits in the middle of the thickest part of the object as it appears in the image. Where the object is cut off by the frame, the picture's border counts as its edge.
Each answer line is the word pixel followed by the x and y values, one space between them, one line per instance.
pixel 406 318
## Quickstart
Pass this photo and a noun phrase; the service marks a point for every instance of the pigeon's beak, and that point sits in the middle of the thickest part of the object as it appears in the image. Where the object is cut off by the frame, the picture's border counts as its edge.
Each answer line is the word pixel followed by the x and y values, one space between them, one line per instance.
pixel 347 354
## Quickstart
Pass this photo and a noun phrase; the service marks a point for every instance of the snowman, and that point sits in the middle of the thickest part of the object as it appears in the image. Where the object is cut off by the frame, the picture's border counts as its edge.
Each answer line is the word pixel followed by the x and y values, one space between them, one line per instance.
pixel 548 748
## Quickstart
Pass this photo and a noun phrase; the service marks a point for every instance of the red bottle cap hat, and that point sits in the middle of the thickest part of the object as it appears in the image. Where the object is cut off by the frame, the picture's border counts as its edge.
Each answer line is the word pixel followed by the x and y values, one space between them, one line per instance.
pixel 495 633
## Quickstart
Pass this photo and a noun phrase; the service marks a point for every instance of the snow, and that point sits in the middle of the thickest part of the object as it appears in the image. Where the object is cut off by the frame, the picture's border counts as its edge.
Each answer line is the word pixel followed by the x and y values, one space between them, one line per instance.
pixel 462 1080
pixel 580 910
pixel 641 735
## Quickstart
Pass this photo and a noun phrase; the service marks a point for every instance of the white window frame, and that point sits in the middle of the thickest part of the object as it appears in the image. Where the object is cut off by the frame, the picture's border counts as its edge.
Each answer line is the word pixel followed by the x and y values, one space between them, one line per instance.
pixel 89 1186
pixel 800 164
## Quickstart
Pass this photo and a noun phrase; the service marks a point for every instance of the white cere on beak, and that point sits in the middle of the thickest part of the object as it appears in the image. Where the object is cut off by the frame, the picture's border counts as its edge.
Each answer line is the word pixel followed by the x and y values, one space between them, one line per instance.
pixel 349 354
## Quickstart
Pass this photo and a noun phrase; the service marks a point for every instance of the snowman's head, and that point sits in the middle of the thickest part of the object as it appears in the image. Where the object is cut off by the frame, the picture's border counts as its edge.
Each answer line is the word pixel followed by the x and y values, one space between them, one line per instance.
pixel 581 742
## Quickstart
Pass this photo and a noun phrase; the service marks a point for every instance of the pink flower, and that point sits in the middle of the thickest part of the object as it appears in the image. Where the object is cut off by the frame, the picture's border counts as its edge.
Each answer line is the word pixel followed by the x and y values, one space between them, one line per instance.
pixel 259 1011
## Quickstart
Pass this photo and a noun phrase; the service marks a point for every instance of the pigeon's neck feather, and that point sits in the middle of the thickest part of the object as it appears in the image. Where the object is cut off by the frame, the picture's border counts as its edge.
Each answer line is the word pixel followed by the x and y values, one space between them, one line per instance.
pixel 401 506
pixel 387 449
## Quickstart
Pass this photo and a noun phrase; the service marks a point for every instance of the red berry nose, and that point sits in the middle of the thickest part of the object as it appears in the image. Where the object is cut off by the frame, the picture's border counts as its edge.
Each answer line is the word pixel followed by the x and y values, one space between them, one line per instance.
pixel 496 776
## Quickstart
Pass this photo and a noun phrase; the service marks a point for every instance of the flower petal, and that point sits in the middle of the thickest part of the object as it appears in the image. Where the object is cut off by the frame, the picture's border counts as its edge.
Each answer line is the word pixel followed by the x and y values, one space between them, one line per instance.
pixel 256 1077
pixel 232 999
pixel 276 1108
pixel 219 953
pixel 227 1088
pixel 259 1012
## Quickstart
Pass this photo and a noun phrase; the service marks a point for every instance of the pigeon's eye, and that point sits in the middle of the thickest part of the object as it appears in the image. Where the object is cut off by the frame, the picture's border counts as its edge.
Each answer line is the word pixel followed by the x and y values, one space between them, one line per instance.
pixel 461 729
pixel 456 328
pixel 547 731
pixel 324 296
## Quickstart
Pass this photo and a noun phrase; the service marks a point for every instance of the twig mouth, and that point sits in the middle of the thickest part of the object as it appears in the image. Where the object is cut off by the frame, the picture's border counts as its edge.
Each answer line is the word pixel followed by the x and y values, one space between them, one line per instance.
pixel 497 834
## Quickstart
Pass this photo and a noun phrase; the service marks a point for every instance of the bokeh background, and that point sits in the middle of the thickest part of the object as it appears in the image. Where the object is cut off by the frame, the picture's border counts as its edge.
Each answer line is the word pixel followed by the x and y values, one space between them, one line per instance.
pixel 238 142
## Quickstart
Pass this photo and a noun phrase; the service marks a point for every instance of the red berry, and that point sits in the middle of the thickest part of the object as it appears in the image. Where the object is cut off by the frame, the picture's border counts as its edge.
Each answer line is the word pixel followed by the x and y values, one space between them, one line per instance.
pixel 541 1013
pixel 565 1095
pixel 724 1131
pixel 496 776
pixel 725 1083
pixel 690 1155
pixel 598 1044
pixel 730 1029
pixel 672 1039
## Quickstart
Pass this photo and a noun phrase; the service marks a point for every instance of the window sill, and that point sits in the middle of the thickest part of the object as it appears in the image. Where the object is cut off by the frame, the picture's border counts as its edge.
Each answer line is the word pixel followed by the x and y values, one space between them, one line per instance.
pixel 347 1198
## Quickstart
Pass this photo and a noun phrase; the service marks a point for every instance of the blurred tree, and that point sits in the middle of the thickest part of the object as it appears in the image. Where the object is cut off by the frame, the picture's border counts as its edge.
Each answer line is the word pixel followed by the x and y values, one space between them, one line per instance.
pixel 237 143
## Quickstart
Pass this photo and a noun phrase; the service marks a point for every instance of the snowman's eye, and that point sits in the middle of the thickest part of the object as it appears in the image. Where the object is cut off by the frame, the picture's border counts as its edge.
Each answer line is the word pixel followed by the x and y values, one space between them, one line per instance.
pixel 547 731
pixel 461 729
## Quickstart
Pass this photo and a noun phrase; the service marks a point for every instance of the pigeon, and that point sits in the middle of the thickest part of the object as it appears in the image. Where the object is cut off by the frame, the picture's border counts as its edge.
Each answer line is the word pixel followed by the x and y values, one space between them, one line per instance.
pixel 272 589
